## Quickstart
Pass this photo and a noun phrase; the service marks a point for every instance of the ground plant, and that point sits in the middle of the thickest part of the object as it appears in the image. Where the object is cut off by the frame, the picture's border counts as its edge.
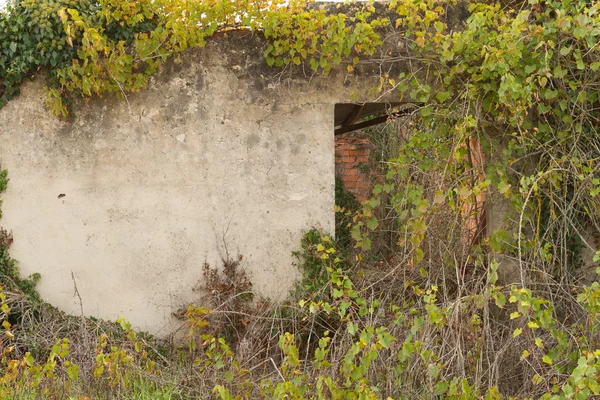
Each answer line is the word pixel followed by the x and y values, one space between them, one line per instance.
pixel 490 286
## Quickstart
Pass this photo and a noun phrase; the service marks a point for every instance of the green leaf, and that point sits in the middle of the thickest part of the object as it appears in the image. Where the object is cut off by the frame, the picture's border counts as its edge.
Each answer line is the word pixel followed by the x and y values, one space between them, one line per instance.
pixel 579 60
pixel 407 349
pixel 385 340
pixel 565 50
pixel 372 223
pixel 547 360
pixel 504 187
pixel 443 96
pixel 500 299
pixel 356 233
pixel 314 64
pixel 73 372
pixel 440 388
pixel 323 63
pixel 498 240
pixel 29 360
pixel 530 69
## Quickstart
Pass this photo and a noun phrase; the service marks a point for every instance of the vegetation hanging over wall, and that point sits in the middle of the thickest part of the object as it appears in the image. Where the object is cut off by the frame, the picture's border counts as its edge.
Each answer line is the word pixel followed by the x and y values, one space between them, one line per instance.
pixel 89 48
pixel 507 114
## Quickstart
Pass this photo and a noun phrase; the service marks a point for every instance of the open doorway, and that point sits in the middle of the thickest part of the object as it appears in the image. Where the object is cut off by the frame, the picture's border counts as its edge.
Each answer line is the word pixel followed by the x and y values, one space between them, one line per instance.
pixel 363 136
pixel 367 137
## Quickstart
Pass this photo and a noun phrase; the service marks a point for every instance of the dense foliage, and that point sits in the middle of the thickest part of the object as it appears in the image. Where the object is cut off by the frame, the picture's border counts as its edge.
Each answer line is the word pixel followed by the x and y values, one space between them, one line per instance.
pixel 90 48
pixel 506 110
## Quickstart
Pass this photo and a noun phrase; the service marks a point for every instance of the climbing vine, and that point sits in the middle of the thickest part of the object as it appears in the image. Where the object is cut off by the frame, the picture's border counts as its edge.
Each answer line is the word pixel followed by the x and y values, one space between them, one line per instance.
pixel 506 110
pixel 523 86
pixel 93 48
pixel 506 123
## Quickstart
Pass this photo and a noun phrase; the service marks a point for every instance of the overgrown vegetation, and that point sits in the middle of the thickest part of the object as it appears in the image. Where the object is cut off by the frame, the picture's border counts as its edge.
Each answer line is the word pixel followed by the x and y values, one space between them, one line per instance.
pixel 9 269
pixel 345 207
pixel 90 48
pixel 506 113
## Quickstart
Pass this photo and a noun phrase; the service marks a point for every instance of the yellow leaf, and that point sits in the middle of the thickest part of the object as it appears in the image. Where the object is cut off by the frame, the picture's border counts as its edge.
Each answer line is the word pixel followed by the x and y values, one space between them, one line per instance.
pixel 547 360
pixel 532 325
pixel 517 332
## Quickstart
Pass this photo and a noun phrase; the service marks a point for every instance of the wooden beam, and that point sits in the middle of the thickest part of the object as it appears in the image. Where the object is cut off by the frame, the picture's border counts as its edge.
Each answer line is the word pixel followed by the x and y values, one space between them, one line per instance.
pixel 353 115
pixel 371 122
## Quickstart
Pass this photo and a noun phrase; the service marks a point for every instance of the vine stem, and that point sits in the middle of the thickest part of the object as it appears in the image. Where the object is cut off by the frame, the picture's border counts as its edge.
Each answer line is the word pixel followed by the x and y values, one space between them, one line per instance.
pixel 121 89
pixel 521 270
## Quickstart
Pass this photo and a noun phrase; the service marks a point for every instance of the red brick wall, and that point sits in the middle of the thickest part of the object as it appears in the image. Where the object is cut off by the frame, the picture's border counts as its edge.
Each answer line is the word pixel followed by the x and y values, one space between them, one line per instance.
pixel 351 151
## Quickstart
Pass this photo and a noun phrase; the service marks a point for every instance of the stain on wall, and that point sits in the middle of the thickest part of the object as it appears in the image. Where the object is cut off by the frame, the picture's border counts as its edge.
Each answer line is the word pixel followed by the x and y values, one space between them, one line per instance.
pixel 215 156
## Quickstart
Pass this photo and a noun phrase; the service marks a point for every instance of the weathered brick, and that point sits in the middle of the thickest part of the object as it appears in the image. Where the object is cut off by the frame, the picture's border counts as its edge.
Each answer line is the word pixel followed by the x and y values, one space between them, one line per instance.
pixel 351 151
pixel 343 152
pixel 356 152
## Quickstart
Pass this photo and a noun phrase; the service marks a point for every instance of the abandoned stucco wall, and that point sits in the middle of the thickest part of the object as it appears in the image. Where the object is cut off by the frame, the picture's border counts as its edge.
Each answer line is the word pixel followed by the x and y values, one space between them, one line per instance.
pixel 215 157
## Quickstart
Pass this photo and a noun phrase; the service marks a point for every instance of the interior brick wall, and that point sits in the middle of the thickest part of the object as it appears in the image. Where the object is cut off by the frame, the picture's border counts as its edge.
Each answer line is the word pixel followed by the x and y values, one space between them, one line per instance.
pixel 351 151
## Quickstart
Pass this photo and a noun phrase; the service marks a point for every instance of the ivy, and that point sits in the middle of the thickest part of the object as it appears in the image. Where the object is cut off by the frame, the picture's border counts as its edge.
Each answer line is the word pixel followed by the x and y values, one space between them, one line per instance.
pixel 515 81
pixel 93 48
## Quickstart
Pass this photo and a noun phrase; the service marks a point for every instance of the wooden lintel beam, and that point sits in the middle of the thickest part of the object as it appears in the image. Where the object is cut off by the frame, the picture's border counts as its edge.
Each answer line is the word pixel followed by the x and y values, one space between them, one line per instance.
pixel 375 121
pixel 353 115
pixel 361 125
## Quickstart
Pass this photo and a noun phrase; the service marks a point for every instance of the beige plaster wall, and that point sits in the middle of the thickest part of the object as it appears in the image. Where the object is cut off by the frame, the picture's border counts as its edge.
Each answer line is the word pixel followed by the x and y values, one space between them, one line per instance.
pixel 215 156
